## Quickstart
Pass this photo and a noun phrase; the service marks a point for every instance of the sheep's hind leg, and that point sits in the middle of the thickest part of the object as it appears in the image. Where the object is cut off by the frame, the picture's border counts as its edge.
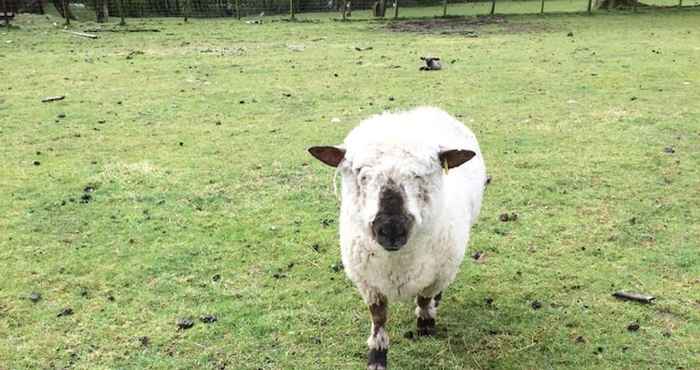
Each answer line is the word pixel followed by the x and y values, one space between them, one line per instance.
pixel 378 341
pixel 426 312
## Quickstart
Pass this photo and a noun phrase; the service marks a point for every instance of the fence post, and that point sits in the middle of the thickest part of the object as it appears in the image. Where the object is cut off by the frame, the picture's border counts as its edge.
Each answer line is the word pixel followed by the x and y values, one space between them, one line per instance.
pixel 66 15
pixel 187 9
pixel 7 17
pixel 589 6
pixel 542 7
pixel 396 9
pixel 444 8
pixel 238 11
pixel 122 22
pixel 291 9
pixel 493 7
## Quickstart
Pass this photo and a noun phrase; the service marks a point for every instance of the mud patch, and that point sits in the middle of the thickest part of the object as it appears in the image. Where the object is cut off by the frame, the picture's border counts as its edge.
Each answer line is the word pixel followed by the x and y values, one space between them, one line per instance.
pixel 467 26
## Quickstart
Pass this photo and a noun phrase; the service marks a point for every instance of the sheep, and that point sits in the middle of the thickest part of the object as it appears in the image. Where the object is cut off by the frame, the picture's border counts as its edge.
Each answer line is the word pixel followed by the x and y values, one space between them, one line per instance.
pixel 412 184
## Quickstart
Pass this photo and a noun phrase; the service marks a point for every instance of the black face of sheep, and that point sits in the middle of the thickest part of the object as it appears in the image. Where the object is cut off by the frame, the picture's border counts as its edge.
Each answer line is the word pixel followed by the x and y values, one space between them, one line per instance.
pixel 392 224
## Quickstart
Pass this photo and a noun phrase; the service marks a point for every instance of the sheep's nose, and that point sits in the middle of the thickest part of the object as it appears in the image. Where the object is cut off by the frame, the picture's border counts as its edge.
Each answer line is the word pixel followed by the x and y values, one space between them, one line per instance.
pixel 391 234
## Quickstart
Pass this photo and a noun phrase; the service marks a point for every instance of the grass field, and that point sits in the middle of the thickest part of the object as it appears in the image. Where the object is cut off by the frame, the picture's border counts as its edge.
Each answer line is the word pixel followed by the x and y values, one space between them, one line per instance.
pixel 172 182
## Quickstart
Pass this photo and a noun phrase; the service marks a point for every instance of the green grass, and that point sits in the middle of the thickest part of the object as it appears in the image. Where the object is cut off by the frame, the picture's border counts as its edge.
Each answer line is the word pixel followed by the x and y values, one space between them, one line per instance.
pixel 190 183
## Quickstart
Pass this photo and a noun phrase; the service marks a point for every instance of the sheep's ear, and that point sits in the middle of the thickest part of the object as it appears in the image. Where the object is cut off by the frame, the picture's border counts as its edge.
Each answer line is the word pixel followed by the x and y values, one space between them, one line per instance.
pixel 329 155
pixel 455 157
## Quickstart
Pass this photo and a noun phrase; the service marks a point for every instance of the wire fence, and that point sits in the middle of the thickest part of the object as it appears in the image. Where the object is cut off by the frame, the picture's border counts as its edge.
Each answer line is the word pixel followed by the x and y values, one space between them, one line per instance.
pixel 256 10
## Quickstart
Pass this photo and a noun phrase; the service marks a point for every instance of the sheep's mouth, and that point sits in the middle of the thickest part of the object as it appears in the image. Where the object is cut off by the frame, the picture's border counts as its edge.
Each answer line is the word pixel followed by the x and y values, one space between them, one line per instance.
pixel 391 231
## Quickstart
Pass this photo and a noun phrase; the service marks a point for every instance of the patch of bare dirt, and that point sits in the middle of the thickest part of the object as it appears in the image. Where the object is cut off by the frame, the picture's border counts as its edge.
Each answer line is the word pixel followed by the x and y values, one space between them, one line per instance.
pixel 468 26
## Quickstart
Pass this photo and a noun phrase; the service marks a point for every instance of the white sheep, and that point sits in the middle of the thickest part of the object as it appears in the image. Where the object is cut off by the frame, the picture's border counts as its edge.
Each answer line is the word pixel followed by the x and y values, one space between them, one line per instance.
pixel 412 185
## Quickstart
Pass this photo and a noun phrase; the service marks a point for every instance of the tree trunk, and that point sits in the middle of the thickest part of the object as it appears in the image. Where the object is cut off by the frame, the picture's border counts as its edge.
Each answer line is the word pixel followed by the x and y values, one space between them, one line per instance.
pixel 396 9
pixel 379 8
pixel 62 5
pixel 122 22
pixel 444 8
pixel 66 12
pixel 101 11
pixel 493 7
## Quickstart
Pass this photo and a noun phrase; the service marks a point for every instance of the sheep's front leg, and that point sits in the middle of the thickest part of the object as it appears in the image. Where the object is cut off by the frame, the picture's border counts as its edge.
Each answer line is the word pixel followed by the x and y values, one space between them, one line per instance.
pixel 426 313
pixel 378 341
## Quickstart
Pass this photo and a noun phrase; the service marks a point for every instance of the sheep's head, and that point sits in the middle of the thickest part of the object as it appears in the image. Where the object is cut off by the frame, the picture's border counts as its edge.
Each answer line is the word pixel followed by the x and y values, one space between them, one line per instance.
pixel 393 190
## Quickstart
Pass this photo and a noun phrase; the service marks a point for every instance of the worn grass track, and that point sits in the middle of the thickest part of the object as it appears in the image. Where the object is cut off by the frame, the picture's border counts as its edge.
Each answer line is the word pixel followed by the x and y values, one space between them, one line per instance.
pixel 205 201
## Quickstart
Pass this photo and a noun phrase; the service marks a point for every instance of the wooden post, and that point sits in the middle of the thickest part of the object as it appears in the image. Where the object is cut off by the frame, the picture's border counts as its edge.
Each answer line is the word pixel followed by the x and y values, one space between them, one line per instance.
pixel 542 7
pixel 444 8
pixel 7 16
pixel 291 9
pixel 590 2
pixel 121 13
pixel 66 15
pixel 238 11
pixel 187 9
pixel 396 10
pixel 493 6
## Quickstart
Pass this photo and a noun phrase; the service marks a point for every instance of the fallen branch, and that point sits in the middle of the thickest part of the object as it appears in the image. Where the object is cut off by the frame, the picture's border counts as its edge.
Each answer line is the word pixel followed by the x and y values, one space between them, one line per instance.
pixel 52 98
pixel 81 34
pixel 639 297
pixel 125 30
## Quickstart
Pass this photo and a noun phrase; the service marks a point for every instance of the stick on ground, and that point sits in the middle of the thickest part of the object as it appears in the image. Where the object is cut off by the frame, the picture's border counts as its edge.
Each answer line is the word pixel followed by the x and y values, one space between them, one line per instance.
pixel 81 34
pixel 639 297
pixel 52 98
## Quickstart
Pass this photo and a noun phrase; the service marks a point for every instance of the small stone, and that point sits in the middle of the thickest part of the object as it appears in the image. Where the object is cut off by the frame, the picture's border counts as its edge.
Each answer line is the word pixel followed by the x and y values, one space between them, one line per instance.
pixel 633 326
pixel 316 340
pixel 580 339
pixel 536 305
pixel 183 324
pixel 504 217
pixel 216 277
pixel 669 150
pixel 145 341
pixel 34 297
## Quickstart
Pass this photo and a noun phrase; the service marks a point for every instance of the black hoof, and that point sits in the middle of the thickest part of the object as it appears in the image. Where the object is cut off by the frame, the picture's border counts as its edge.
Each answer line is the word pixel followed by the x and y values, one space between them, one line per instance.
pixel 376 359
pixel 425 327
